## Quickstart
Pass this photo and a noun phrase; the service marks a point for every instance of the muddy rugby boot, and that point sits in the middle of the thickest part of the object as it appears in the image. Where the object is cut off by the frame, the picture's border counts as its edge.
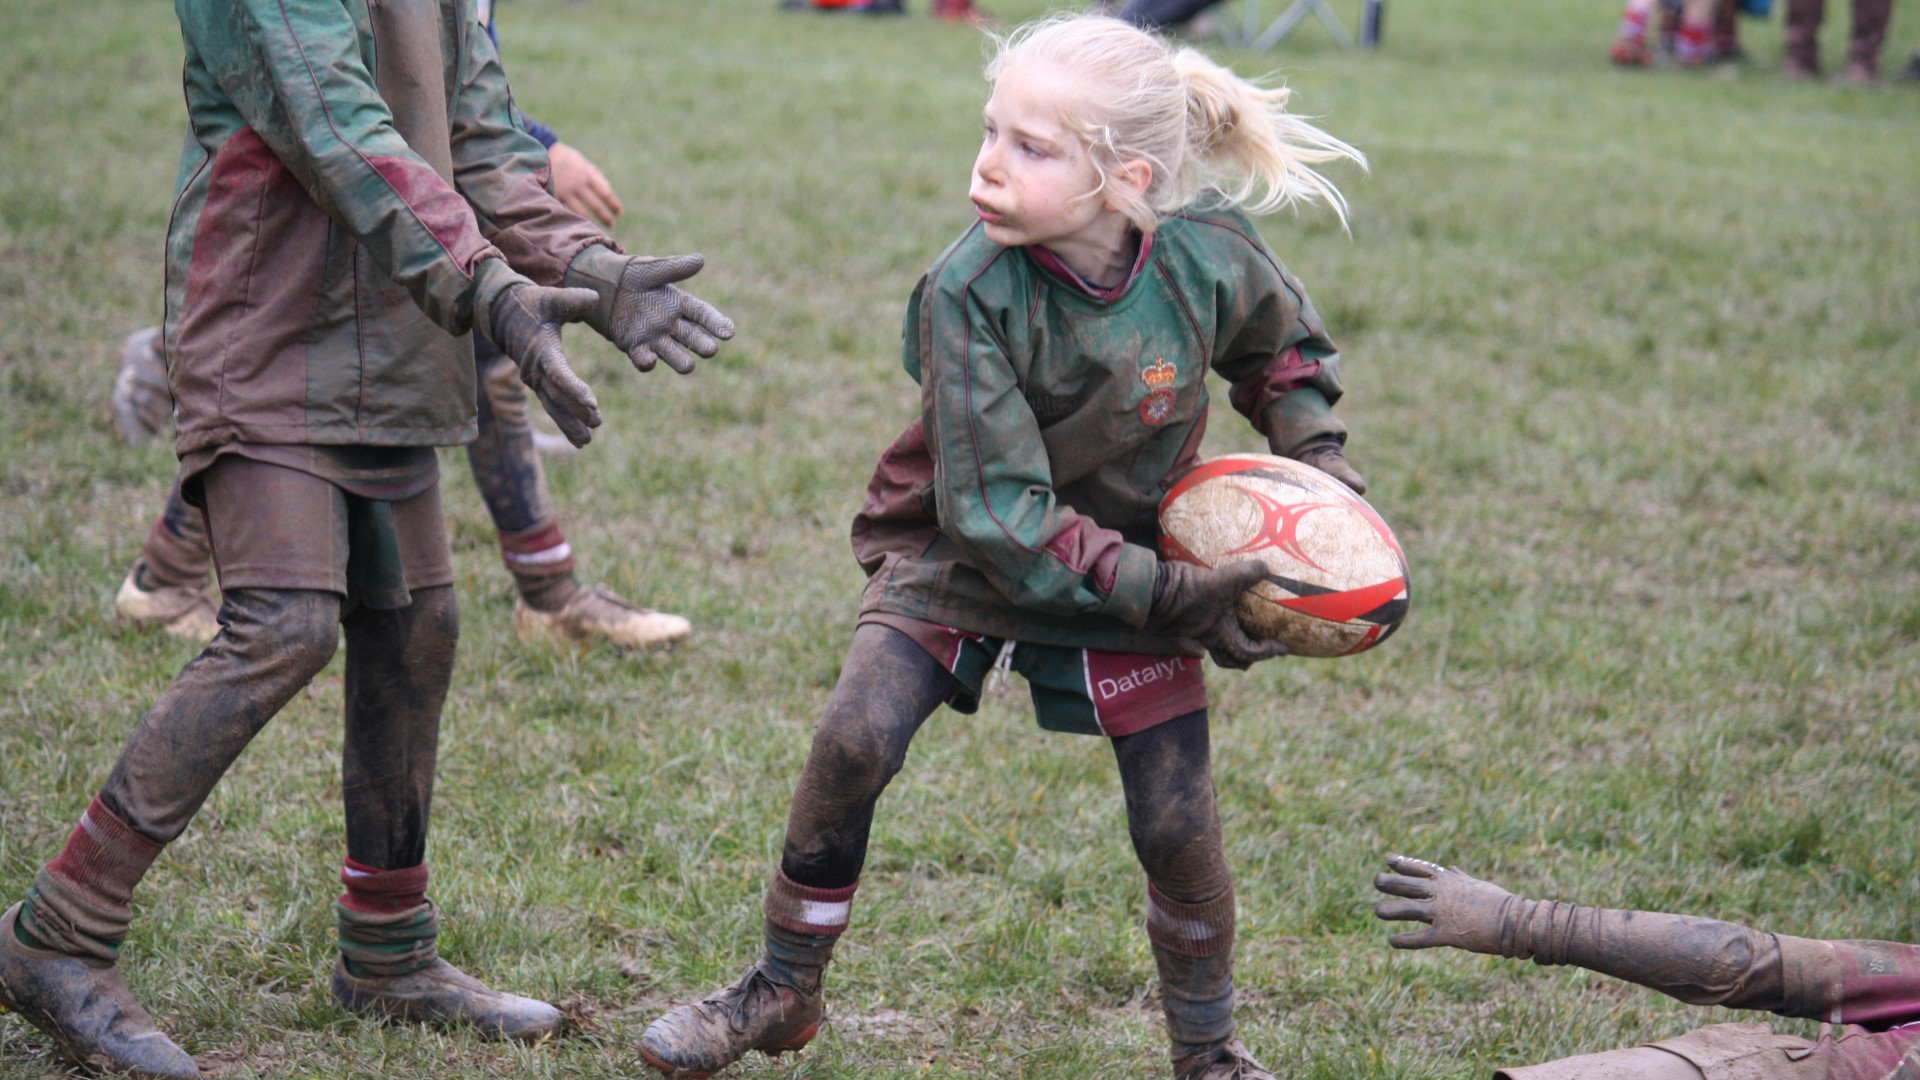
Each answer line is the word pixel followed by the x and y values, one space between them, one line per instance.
pixel 756 1013
pixel 180 610
pixel 87 1008
pixel 598 614
pixel 443 994
pixel 1229 1062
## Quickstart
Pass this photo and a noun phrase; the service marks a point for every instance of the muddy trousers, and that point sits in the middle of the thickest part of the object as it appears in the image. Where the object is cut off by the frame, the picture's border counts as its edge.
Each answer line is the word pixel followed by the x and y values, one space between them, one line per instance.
pixel 274 641
pixel 506 469
pixel 1870 19
pixel 888 688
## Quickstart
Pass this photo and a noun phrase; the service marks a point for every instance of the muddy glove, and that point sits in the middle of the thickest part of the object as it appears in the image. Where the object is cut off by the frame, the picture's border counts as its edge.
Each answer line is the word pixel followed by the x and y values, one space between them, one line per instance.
pixel 526 327
pixel 1327 455
pixel 1197 603
pixel 1700 961
pixel 642 312
pixel 1302 426
pixel 1459 910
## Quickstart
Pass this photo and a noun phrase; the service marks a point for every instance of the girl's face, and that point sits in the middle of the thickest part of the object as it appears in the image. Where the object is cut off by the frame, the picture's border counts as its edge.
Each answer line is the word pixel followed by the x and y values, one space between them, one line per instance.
pixel 1034 179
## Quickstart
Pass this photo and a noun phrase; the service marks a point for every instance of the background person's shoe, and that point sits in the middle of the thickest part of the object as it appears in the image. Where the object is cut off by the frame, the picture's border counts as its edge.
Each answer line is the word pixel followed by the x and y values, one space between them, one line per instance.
pixel 1862 74
pixel 1630 52
pixel 598 614
pixel 86 1007
pixel 443 994
pixel 178 609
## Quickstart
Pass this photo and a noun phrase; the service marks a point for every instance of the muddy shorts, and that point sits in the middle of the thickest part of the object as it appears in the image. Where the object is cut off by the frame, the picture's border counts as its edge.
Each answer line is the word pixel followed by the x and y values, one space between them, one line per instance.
pixel 273 527
pixel 1081 691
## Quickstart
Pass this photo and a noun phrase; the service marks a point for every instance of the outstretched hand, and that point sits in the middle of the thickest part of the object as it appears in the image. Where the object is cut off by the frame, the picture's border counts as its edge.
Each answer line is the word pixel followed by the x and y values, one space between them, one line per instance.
pixel 653 320
pixel 1460 910
pixel 526 327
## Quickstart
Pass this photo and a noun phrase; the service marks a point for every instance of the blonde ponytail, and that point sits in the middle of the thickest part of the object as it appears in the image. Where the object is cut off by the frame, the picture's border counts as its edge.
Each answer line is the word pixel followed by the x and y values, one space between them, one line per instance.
pixel 1243 140
pixel 1195 123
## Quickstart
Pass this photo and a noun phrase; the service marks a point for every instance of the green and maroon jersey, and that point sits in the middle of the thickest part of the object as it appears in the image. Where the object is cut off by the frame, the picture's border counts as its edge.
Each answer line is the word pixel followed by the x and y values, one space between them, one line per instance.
pixel 1054 415
pixel 355 189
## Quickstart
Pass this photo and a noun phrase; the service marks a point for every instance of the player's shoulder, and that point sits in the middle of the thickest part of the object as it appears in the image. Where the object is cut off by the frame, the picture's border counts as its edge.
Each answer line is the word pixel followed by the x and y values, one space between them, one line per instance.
pixel 973 264
pixel 1209 227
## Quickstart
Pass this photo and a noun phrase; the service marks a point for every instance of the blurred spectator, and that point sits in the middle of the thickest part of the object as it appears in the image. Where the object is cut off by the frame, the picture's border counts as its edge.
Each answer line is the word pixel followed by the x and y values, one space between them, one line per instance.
pixel 1704 32
pixel 1870 18
pixel 955 10
pixel 1155 15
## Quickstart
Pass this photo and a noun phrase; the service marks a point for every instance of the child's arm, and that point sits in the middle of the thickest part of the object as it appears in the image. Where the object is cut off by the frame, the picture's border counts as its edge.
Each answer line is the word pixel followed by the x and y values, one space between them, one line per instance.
pixel 1284 368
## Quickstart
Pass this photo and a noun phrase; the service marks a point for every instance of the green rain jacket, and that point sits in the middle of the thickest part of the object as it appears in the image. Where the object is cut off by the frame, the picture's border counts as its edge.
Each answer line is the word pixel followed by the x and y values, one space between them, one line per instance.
pixel 355 189
pixel 1023 503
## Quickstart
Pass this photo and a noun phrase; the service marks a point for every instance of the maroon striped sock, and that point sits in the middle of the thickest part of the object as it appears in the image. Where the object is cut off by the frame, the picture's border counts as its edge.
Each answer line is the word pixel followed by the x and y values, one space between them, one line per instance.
pixel 807 910
pixel 80 902
pixel 372 891
pixel 1203 929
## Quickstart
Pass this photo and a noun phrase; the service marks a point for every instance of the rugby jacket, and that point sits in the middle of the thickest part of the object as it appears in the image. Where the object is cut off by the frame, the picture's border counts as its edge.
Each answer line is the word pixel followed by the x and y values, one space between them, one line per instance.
pixel 355 189
pixel 1022 503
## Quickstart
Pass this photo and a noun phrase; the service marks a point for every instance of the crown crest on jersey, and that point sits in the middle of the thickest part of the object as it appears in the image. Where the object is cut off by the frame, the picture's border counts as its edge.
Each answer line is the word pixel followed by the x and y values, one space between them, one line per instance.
pixel 1160 375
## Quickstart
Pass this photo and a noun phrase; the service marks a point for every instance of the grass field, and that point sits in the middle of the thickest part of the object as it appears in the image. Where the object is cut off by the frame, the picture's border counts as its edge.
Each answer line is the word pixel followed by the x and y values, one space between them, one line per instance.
pixel 1634 369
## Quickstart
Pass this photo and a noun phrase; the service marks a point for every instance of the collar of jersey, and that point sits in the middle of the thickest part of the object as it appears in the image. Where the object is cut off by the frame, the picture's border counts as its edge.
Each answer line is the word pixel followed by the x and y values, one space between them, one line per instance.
pixel 1052 266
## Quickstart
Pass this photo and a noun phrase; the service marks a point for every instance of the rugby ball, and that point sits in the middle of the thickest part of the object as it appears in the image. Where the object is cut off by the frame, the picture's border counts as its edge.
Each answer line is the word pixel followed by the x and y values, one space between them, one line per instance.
pixel 1339 582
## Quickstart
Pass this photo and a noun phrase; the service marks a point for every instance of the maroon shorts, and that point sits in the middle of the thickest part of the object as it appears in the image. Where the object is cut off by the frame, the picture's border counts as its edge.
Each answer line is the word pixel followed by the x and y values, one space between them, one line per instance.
pixel 272 527
pixel 1083 691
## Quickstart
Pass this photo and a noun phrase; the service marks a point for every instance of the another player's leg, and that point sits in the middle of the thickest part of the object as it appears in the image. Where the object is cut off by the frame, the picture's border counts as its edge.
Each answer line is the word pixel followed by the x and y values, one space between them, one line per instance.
pixel 1803 39
pixel 1869 33
pixel 1693 43
pixel 550 603
pixel 399 665
pixel 59 946
pixel 1630 47
pixel 1167 774
pixel 167 586
pixel 887 688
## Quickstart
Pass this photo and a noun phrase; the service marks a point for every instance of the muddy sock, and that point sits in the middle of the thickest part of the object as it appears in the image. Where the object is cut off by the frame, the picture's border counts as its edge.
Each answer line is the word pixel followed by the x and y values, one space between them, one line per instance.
pixel 387 925
pixel 802 926
pixel 541 562
pixel 80 903
pixel 1193 950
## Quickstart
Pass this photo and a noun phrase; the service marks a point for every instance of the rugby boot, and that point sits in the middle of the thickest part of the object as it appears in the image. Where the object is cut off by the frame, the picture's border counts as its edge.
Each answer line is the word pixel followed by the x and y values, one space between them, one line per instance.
pixel 443 994
pixel 142 403
pixel 598 614
pixel 1229 1062
pixel 756 1013
pixel 1630 52
pixel 85 1006
pixel 182 610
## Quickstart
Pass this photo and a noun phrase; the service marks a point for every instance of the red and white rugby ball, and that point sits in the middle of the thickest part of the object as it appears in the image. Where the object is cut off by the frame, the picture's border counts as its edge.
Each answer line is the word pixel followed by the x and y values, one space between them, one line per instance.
pixel 1339 577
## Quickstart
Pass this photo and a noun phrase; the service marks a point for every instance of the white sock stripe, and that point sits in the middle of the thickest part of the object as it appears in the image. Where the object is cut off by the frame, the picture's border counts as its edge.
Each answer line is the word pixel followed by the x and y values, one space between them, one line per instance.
pixel 825 913
pixel 1185 929
pixel 92 827
pixel 558 553
pixel 349 871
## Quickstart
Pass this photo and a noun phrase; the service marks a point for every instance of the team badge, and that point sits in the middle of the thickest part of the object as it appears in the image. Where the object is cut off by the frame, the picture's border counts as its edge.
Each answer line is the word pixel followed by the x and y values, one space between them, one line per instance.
pixel 1158 404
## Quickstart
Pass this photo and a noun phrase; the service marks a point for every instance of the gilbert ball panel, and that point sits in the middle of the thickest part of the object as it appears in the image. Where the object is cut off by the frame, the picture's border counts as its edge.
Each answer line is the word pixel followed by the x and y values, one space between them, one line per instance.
pixel 1340 575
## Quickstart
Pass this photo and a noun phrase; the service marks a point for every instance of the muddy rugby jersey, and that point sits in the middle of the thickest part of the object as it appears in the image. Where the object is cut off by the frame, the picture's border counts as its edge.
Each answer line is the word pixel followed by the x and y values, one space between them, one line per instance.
pixel 1055 414
pixel 355 189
